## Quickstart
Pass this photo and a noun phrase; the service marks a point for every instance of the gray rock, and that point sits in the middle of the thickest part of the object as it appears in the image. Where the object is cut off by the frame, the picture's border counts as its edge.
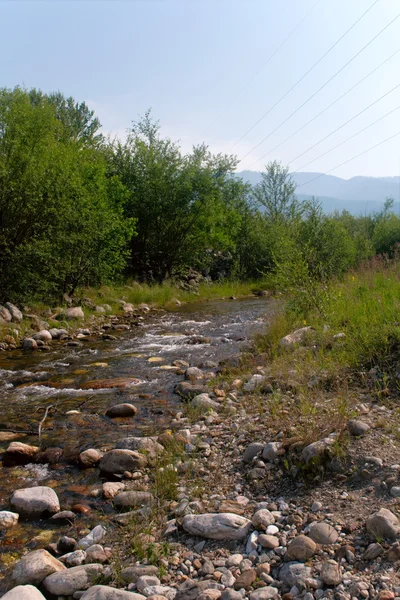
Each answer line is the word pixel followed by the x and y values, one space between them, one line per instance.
pixel 323 533
pixel 395 491
pixel 35 566
pixel 56 334
pixel 29 344
pixel 133 498
pixel 104 592
pixel 268 541
pixel 74 313
pixel 190 590
pixel 384 524
pixel 190 390
pixel 357 427
pixel 112 489
pixel 272 451
pixel 35 502
pixel 66 583
pixel 294 574
pixel 90 458
pixel 231 595
pixel 132 574
pixel 330 573
pixel 160 590
pixel 264 593
pixel 301 548
pixel 19 453
pixel 16 314
pixel 145 581
pixel 251 451
pixel 193 373
pixel 217 526
pixel 121 410
pixel 147 445
pixel 43 335
pixel 296 337
pixel 64 516
pixel 262 518
pixel 24 592
pixel 118 461
pixel 8 519
pixel 316 451
pixel 5 314
pixel 74 559
pixel 204 401
pixel 373 551
pixel 94 537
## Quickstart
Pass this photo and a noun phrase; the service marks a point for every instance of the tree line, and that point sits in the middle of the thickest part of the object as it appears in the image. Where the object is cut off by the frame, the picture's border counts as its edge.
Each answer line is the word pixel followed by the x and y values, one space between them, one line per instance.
pixel 78 208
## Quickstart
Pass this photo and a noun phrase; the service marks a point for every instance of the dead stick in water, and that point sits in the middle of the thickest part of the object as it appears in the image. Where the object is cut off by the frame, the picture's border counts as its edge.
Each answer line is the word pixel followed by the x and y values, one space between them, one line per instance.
pixel 43 420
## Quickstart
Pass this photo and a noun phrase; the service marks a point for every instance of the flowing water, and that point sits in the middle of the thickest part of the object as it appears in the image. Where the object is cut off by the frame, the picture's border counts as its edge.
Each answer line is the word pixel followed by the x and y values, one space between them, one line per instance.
pixel 78 379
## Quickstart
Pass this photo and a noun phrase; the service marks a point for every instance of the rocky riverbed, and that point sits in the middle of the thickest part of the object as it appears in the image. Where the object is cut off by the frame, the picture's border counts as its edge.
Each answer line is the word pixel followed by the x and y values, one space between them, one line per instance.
pixel 132 468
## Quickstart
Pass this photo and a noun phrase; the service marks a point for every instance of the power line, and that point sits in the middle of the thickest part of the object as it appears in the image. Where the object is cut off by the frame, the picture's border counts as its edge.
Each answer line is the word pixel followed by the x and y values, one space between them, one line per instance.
pixel 349 160
pixel 304 76
pixel 263 66
pixel 320 88
pixel 345 123
pixel 347 139
pixel 326 108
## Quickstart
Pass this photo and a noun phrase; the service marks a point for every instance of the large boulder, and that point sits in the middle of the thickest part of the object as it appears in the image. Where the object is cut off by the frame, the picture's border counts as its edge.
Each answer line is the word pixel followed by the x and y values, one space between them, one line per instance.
pixel 35 502
pixel 384 524
pixel 36 566
pixel 24 592
pixel 146 445
pixel 16 314
pixel 66 583
pixel 217 526
pixel 104 592
pixel 116 462
pixel 18 453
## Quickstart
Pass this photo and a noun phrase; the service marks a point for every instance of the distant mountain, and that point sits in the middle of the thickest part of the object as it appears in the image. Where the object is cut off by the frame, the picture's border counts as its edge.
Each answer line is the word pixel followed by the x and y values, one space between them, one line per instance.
pixel 358 195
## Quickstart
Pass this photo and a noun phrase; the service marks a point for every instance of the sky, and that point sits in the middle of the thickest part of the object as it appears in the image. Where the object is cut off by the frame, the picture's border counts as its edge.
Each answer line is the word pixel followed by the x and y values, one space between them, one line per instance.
pixel 211 70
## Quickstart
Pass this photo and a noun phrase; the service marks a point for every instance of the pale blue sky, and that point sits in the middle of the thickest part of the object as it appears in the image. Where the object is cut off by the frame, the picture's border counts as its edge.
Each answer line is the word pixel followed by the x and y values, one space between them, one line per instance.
pixel 188 59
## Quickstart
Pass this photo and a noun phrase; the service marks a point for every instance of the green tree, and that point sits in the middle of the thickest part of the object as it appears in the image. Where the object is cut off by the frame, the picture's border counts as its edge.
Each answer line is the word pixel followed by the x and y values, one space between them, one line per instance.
pixel 275 193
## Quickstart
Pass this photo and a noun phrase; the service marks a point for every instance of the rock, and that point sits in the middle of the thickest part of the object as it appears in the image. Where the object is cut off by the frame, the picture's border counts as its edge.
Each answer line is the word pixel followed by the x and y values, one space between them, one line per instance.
pixel 251 451
pixel 231 595
pixel 35 566
pixel 330 573
pixel 118 461
pixel 50 456
pixel 43 335
pixel 90 458
pixel 74 313
pixel 94 537
pixel 64 516
pixel 262 518
pixel 24 592
pixel 66 544
pixel 323 533
pixel 16 314
pixel 301 548
pixel 66 583
pixel 211 595
pixel 297 337
pixel 18 453
pixel 35 502
pixel 245 579
pixel 8 519
pixel 294 574
pixel 268 541
pixel 56 334
pixel 253 383
pixel 97 554
pixel 74 559
pixel 272 451
pixel 160 590
pixel 146 581
pixel 204 401
pixel 316 451
pixel 217 526
pixel 264 593
pixel 133 498
pixel 112 488
pixel 395 491
pixel 5 314
pixel 191 590
pixel 193 373
pixel 373 551
pixel 132 574
pixel 121 410
pixel 357 427
pixel 383 525
pixel 29 344
pixel 104 592
pixel 189 390
pixel 148 445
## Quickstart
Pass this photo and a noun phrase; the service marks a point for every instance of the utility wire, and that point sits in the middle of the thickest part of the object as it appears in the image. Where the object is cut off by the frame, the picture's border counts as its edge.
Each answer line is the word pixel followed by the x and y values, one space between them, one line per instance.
pixel 347 139
pixel 350 159
pixel 326 108
pixel 304 76
pixel 345 123
pixel 320 88
pixel 263 66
